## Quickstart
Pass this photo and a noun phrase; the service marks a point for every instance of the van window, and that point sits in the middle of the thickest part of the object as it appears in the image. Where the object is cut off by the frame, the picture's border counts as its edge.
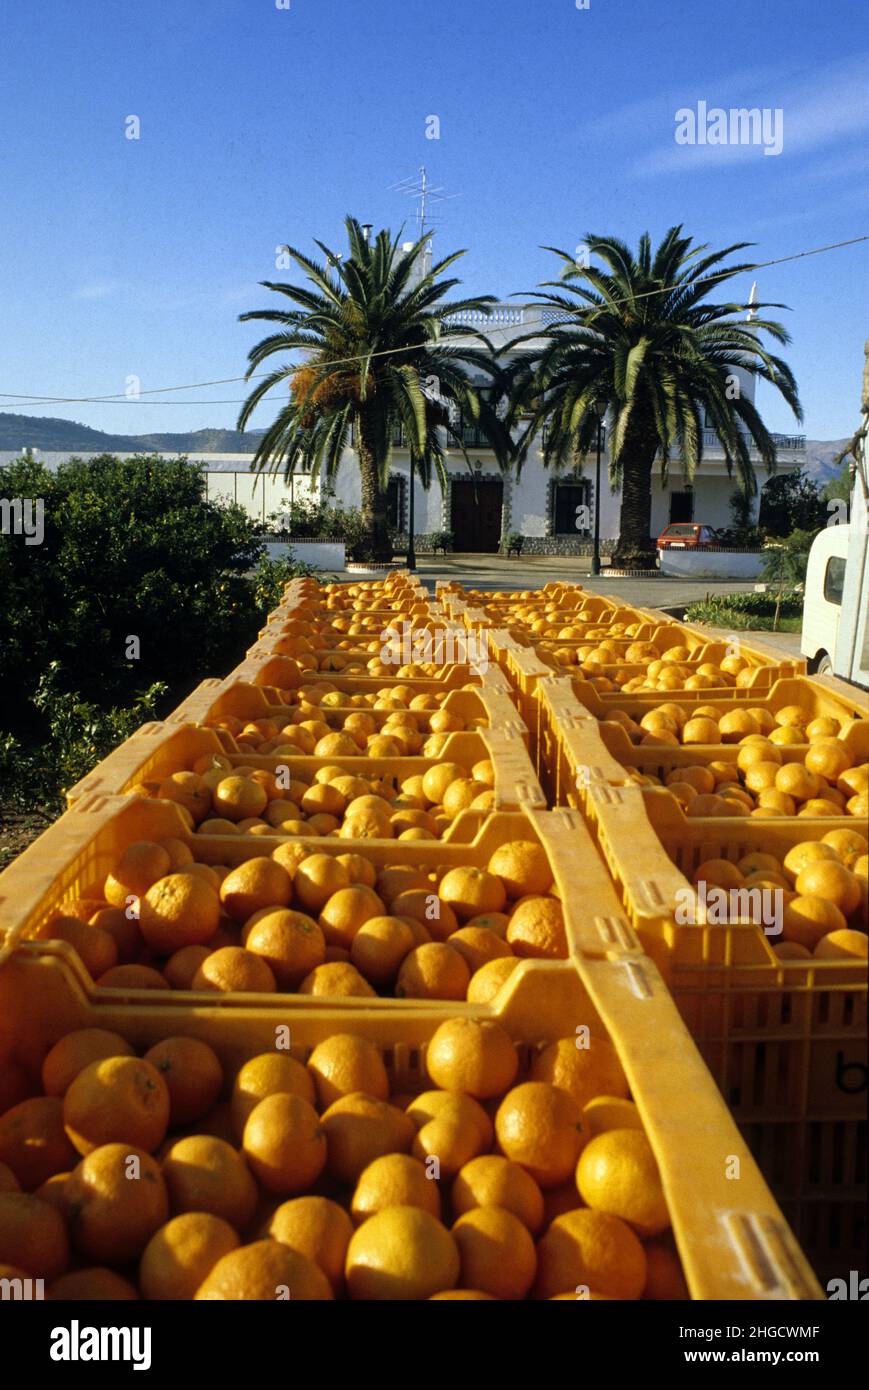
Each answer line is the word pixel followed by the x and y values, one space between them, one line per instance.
pixel 834 579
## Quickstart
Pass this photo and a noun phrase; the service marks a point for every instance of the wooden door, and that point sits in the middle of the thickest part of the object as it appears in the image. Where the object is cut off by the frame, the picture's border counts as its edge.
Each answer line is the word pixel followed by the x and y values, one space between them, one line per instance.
pixel 475 511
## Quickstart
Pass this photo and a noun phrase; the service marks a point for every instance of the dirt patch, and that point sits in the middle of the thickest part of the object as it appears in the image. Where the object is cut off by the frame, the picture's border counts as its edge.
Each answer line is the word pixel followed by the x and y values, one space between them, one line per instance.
pixel 18 829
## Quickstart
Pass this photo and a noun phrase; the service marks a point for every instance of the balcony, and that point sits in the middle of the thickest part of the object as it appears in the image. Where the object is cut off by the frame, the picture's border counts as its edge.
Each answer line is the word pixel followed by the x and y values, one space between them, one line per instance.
pixel 788 443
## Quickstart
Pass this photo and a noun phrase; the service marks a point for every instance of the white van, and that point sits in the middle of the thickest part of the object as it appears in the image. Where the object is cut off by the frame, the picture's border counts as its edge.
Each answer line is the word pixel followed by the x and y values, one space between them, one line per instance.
pixel 835 638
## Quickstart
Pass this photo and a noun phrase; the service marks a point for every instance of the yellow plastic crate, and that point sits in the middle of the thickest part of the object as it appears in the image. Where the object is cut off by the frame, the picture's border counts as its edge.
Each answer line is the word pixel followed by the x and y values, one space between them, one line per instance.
pixel 575 749
pixel 158 749
pixel 785 1041
pixel 283 672
pixel 214 700
pixel 732 1239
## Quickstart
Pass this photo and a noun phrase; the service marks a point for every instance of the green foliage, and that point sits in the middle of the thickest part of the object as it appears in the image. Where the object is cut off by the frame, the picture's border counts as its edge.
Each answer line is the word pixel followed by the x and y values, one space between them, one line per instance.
pixel 310 518
pixel 785 563
pixel 376 340
pixel 839 489
pixel 79 735
pixel 742 612
pixel 792 502
pixel 271 577
pixel 514 540
pixel 441 540
pixel 636 335
pixel 131 548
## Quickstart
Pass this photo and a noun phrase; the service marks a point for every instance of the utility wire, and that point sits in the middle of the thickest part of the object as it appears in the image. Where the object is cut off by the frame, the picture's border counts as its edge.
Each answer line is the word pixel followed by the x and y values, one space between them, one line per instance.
pixel 120 397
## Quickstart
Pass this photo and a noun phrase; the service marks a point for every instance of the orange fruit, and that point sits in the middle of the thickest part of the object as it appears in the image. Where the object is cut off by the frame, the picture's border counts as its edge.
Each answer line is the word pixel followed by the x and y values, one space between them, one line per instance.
pixel 255 884
pixel 346 911
pixel 700 779
pixel 95 948
pixel 336 978
pixel 456 1107
pixel 115 1200
pixel 664 1278
pixel 583 1072
pixel 123 930
pixel 849 845
pixel 438 778
pixel 232 969
pixel 316 879
pixel 486 982
pixel 97 1285
pixel 285 1144
pixel 831 881
pixel 433 971
pixel 401 1253
pixel 316 1228
pixel 394 1180
pixel 590 1249
pixel 75 1051
pixel 424 905
pixel 290 856
pixel 473 1057
pixel 478 946
pixel 128 977
pixel 182 1253
pixel 122 1099
pixel 33 1142
pixel 33 1237
pixel 188 790
pixel 139 867
pixel 497 1253
pixel 178 910
pixel 700 730
pixel 193 1074
pixel 537 930
pixel 290 943
pixel 828 758
pixel 360 1128
pixel 758 862
pixel 236 798
pixel 379 947
pixel 181 967
pixel 359 869
pixel 204 1173
pixel 540 1126
pixel 268 1074
pixel 617 1173
pixel 797 781
pixel 343 1064
pixel 604 1113
pixel 264 1271
pixel 718 873
pixel 8 1180
pixel 396 879
pixel 806 920
pixel 470 891
pixel 842 945
pixel 490 1180
pixel 791 950
pixel 806 852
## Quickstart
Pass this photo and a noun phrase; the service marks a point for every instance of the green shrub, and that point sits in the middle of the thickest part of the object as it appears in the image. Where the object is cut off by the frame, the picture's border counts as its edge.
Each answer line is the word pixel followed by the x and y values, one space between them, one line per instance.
pixel 272 576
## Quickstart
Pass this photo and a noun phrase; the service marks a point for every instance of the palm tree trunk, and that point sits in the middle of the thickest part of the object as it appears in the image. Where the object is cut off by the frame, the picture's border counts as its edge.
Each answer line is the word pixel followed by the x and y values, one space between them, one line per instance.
pixel 374 507
pixel 636 546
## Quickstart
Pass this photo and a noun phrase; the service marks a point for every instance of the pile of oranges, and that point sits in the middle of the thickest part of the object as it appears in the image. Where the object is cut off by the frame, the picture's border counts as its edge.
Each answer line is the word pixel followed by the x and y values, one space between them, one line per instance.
pixel 824 780
pixel 824 891
pixel 222 798
pixel 315 923
pixel 166 1177
pixel 347 725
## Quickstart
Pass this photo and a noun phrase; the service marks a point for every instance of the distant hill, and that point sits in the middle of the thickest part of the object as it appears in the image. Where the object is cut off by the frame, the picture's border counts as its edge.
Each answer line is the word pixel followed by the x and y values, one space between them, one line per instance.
pixel 58 436
pixel 819 458
pixel 18 432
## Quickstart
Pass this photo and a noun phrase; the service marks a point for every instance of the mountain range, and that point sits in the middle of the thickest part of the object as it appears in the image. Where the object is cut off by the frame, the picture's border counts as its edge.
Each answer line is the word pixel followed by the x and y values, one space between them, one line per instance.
pixel 18 432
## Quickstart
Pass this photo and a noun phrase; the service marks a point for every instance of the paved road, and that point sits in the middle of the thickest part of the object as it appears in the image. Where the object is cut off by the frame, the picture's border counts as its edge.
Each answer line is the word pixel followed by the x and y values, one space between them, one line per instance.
pixel 533 571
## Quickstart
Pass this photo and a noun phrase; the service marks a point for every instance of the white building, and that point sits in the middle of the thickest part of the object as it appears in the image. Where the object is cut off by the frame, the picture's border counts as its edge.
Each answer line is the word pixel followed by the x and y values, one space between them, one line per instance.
pixel 479 504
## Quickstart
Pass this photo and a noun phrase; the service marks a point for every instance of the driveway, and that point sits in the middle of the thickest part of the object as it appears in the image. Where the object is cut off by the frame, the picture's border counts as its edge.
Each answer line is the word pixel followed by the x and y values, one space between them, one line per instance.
pixel 533 571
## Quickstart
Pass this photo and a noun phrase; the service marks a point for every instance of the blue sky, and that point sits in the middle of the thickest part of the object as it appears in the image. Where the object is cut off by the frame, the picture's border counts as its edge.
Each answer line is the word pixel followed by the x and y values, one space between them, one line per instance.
pixel 261 125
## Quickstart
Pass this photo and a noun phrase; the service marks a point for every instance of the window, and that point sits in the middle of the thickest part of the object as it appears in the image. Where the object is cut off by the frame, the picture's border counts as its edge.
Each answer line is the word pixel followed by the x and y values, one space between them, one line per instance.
pixel 685 530
pixel 571 508
pixel 834 579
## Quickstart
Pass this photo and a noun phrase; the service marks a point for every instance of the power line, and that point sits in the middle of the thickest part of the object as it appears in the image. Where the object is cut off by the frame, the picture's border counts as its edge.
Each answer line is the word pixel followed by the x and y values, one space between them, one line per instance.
pixel 121 397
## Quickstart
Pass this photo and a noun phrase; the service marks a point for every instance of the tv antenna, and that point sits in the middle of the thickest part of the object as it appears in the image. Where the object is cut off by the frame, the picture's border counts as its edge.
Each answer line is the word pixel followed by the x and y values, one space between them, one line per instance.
pixel 418 187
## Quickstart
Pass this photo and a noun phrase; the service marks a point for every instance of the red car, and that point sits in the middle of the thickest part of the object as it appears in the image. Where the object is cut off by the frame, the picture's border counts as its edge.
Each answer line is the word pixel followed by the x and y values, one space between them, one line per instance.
pixel 686 535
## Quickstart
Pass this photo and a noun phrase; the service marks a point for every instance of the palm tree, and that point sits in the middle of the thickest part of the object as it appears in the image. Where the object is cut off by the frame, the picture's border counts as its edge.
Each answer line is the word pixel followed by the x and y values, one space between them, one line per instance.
pixel 639 338
pixel 378 356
